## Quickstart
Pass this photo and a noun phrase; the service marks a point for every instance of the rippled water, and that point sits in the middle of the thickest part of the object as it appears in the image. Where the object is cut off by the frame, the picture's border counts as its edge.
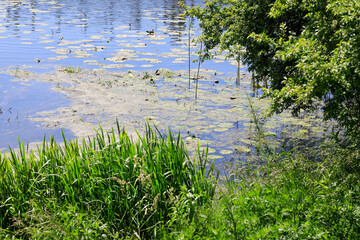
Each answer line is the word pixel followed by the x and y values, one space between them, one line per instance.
pixel 67 32
pixel 36 35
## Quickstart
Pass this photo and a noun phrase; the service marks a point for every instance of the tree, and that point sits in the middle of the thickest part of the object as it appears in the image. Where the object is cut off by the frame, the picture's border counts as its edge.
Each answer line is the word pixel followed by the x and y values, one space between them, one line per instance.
pixel 308 49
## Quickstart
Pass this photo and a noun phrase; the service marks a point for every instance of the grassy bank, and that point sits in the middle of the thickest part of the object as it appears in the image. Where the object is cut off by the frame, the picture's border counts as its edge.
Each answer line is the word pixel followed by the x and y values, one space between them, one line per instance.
pixel 113 187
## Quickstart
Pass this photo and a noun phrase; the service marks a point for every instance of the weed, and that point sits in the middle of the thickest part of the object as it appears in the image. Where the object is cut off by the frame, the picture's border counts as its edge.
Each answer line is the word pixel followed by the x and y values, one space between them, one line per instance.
pixel 146 75
pixel 168 74
pixel 72 70
pixel 109 84
pixel 16 72
pixel 69 69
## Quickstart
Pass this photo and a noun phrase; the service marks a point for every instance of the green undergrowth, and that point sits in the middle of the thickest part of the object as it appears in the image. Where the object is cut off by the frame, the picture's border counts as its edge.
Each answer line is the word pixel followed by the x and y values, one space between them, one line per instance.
pixel 106 187
pixel 113 187
pixel 290 197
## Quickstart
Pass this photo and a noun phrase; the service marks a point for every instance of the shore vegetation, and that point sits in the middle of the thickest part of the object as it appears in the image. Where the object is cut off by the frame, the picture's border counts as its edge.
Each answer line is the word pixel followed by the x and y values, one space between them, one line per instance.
pixel 111 186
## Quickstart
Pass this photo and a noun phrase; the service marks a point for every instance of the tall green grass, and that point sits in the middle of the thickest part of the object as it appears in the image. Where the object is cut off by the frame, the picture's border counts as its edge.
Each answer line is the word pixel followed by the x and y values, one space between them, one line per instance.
pixel 108 186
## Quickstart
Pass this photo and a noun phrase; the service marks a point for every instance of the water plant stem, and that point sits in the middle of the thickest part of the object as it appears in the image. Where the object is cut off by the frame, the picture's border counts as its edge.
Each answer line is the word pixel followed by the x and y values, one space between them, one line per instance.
pixel 198 71
pixel 189 48
pixel 238 59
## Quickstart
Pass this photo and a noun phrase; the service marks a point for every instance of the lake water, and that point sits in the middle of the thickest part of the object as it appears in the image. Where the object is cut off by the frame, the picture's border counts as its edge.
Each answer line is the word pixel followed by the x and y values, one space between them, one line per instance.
pixel 37 35
pixel 40 40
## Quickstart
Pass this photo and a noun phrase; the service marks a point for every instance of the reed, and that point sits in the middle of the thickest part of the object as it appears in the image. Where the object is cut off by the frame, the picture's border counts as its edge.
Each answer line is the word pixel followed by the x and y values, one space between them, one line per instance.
pixel 189 48
pixel 238 60
pixel 198 70
pixel 108 185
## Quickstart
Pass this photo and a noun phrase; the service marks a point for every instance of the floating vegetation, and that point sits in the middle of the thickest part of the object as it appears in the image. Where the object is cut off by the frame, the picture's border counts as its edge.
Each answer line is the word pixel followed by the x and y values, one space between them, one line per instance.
pixel 158 43
pixel 81 54
pixel 242 149
pixel 71 70
pixel 46 41
pixel 131 45
pixel 118 66
pixel 150 60
pixel 147 66
pixel 121 27
pixel 219 118
pixel 62 51
pixel 58 58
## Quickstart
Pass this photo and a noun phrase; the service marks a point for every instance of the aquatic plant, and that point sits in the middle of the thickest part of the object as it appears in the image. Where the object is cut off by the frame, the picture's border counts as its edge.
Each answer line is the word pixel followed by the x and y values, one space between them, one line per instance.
pixel 151 32
pixel 146 75
pixel 189 47
pixel 200 60
pixel 71 70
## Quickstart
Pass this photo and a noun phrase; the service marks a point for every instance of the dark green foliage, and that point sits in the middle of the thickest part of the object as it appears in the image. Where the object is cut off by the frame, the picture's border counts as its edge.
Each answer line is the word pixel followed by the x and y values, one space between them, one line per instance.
pixel 106 187
pixel 309 50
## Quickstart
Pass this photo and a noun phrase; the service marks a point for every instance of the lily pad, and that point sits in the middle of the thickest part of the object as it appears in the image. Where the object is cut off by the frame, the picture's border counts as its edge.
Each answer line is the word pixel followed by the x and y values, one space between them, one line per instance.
pixel 242 149
pixel 158 43
pixel 62 51
pixel 221 129
pixel 224 152
pixel 150 60
pixel 210 156
pixel 57 58
pixel 46 41
pixel 122 27
pixel 97 37
pixel 178 61
pixel 226 125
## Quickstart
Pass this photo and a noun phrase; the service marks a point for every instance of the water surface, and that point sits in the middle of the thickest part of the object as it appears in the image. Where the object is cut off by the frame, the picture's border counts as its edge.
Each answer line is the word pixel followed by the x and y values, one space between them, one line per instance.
pixel 41 40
